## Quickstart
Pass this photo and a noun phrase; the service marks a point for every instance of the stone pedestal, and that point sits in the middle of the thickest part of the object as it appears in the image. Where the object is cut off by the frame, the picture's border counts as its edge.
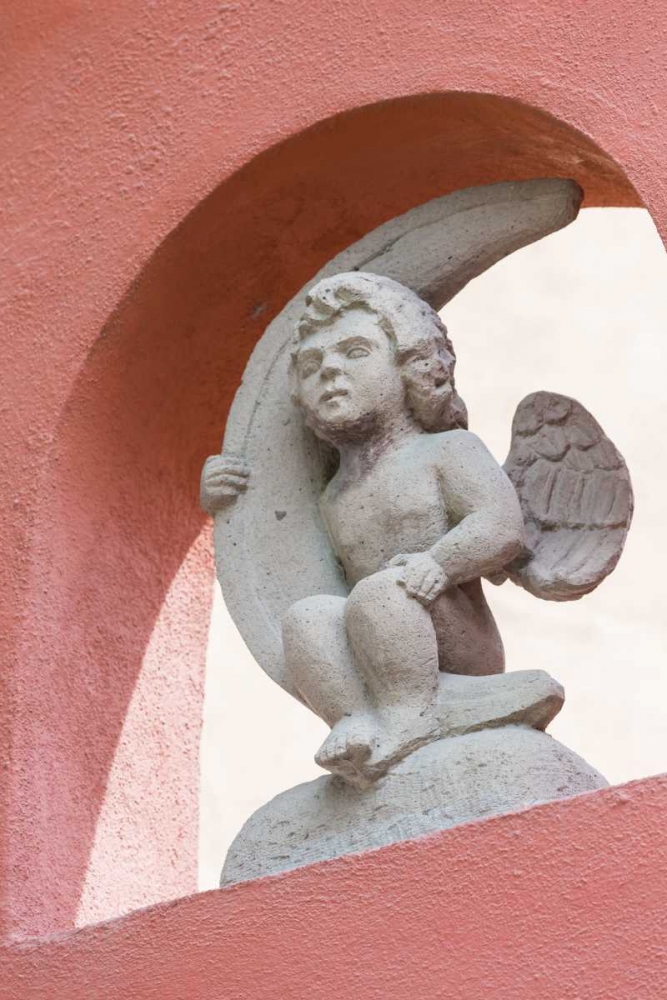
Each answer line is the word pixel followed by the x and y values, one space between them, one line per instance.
pixel 455 780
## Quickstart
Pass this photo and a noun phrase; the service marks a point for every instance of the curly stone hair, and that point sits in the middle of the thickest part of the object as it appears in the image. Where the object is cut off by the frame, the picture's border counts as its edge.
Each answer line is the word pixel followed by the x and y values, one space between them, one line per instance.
pixel 424 352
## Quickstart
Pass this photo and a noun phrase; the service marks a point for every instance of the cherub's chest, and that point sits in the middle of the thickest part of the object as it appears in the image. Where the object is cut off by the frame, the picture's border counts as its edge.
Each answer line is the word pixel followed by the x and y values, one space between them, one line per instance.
pixel 397 508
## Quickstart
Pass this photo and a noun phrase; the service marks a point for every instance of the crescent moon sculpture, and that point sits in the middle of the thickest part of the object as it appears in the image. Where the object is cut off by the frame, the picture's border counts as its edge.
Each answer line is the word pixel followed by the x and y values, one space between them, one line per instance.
pixel 376 620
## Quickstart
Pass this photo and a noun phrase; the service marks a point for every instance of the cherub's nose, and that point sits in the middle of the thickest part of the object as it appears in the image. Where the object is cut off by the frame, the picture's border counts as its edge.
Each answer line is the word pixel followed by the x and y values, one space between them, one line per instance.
pixel 329 369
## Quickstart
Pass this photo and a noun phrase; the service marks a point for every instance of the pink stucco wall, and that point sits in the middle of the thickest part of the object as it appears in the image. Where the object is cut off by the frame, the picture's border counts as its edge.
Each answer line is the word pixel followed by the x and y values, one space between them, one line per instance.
pixel 174 171
pixel 562 902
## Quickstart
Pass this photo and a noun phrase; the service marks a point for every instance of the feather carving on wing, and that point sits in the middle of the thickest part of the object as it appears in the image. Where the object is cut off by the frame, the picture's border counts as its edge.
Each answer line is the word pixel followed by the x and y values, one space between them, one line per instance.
pixel 575 494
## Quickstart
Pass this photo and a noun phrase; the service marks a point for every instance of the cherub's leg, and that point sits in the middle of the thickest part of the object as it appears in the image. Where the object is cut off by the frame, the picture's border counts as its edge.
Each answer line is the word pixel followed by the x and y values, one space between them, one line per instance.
pixel 468 637
pixel 320 662
pixel 394 645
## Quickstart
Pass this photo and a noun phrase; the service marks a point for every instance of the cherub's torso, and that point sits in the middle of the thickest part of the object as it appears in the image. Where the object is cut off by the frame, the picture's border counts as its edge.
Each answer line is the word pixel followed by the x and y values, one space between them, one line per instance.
pixel 395 507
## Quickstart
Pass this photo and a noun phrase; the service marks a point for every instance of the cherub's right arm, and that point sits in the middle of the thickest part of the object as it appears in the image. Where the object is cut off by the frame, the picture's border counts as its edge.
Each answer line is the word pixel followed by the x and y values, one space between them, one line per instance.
pixel 222 479
pixel 487 523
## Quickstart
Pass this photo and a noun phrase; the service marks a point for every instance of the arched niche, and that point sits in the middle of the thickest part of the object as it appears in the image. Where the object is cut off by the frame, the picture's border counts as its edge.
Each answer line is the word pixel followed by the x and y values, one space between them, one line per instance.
pixel 121 513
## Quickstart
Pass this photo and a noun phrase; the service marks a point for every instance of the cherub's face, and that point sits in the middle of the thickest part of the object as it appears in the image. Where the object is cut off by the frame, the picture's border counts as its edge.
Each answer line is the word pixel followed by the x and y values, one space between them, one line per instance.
pixel 347 376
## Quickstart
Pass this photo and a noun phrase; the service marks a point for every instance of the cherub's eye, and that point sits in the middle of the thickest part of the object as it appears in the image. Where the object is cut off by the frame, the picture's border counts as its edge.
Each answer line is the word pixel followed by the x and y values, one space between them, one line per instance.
pixel 357 352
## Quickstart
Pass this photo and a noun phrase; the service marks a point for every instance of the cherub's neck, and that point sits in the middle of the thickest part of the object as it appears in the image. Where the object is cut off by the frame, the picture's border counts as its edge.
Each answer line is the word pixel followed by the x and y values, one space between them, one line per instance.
pixel 358 457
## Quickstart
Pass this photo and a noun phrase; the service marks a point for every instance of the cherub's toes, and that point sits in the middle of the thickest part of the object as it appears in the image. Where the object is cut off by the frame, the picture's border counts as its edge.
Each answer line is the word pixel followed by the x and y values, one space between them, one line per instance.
pixel 343 748
pixel 358 749
pixel 329 752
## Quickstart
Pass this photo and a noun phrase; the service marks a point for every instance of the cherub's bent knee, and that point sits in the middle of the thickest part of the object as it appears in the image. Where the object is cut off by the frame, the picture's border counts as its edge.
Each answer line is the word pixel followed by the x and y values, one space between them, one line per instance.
pixel 306 617
pixel 379 593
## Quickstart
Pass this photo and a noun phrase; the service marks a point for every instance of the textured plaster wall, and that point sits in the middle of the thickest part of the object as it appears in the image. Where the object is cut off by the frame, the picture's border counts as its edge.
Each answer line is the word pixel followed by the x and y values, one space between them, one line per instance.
pixel 562 902
pixel 159 201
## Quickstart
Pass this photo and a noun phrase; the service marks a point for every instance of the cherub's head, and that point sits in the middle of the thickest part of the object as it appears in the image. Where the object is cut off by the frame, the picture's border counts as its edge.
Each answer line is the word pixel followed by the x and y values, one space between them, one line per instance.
pixel 366 348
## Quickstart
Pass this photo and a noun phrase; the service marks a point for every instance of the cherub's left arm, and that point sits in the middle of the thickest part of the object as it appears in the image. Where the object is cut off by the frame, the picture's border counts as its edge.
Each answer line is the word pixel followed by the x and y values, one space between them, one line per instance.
pixel 483 507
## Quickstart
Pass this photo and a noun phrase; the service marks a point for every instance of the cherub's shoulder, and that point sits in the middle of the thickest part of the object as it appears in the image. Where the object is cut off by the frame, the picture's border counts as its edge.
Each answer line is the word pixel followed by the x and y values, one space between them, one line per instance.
pixel 463 451
pixel 458 441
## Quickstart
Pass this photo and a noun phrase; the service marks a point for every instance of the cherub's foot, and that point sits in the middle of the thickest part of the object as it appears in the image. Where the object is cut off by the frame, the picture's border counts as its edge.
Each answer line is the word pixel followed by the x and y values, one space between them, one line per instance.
pixel 362 748
pixel 347 748
pixel 402 733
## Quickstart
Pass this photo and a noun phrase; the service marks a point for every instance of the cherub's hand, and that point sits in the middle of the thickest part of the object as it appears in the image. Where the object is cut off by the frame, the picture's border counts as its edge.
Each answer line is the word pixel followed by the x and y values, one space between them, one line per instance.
pixel 222 479
pixel 423 578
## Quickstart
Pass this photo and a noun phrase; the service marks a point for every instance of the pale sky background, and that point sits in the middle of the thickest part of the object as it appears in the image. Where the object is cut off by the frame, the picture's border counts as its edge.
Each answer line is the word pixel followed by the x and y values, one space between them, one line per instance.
pixel 583 312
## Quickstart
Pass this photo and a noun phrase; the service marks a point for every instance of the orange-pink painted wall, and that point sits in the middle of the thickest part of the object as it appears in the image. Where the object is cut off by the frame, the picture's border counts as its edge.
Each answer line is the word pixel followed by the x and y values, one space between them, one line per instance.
pixel 174 172
pixel 563 902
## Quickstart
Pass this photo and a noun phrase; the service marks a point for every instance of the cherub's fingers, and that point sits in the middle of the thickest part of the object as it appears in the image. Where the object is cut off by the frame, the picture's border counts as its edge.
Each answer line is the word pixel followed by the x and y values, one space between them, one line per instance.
pixel 227 489
pixel 423 596
pixel 434 586
pixel 218 498
pixel 226 477
pixel 228 470
pixel 415 582
pixel 222 492
pixel 222 489
pixel 425 601
pixel 239 467
pixel 231 484
pixel 426 583
pixel 217 462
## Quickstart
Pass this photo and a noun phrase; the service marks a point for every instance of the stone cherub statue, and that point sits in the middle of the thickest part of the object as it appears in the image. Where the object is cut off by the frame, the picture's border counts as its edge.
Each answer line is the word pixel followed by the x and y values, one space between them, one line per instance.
pixel 418 512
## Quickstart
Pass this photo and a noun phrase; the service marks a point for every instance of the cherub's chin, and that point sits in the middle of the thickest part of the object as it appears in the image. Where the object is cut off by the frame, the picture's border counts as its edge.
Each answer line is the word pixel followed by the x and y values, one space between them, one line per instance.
pixel 336 423
pixel 334 411
pixel 332 422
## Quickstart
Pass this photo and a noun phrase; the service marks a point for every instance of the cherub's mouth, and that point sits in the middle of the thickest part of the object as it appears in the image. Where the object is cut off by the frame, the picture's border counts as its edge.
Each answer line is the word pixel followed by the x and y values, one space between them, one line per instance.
pixel 332 394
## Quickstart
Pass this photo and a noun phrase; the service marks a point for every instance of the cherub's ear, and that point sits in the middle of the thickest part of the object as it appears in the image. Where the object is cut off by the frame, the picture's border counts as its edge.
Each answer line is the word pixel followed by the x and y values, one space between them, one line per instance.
pixel 458 411
pixel 431 394
pixel 441 372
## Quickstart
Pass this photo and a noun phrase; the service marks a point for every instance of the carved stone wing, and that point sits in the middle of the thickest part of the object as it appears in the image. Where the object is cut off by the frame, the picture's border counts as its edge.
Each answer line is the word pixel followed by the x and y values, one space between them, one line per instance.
pixel 575 494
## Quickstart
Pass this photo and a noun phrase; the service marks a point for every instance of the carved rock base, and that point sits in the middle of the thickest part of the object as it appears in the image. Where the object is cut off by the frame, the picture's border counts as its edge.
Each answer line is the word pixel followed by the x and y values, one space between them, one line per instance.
pixel 452 781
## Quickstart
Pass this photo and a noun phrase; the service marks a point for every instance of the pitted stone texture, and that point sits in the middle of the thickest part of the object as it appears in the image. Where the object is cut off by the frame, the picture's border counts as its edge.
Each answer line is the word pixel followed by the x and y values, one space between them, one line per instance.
pixel 521 697
pixel 446 783
pixel 271 547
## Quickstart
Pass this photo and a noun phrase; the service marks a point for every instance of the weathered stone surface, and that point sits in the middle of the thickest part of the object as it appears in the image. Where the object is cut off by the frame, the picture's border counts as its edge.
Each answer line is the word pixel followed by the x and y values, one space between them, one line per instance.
pixel 575 493
pixel 415 513
pixel 271 549
pixel 448 782
pixel 465 704
pixel 386 633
